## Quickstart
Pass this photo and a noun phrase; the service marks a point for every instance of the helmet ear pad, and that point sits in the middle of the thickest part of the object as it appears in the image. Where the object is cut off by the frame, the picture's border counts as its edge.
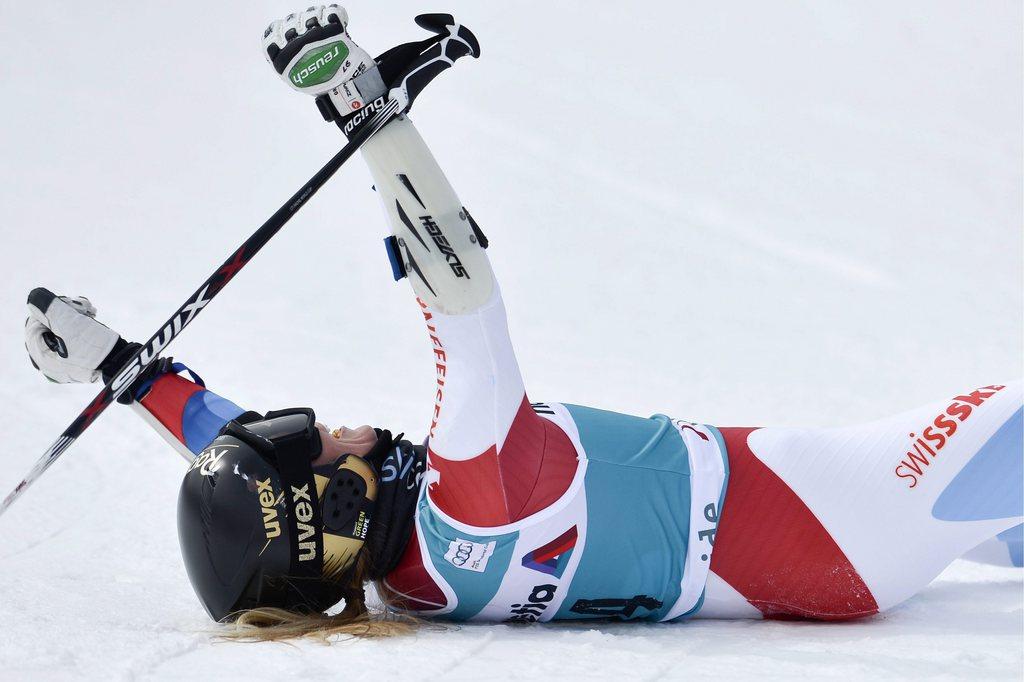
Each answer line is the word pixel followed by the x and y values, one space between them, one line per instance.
pixel 347 499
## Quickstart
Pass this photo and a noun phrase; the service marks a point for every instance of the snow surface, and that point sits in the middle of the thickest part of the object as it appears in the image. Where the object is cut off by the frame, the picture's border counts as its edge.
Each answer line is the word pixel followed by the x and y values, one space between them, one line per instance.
pixel 784 213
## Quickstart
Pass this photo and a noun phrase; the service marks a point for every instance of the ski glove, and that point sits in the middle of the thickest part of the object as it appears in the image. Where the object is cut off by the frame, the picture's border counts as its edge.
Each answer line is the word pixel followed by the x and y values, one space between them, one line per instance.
pixel 313 52
pixel 65 341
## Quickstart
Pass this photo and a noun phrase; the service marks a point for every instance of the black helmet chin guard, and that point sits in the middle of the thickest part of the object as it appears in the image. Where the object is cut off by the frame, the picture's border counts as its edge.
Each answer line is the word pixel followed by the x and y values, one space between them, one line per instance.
pixel 258 526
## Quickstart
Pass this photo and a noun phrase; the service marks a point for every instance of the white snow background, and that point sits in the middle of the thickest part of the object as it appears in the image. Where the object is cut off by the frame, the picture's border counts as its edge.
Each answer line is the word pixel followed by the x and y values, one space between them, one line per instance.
pixel 793 213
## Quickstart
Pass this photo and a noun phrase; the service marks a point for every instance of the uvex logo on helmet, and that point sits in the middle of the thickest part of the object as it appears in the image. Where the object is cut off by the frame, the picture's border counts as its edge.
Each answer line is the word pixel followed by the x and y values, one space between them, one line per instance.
pixel 319 65
pixel 268 505
pixel 303 504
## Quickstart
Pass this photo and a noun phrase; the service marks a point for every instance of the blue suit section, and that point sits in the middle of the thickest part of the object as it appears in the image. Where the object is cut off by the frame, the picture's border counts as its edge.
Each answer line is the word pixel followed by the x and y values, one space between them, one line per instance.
pixel 473 589
pixel 630 537
pixel 204 416
pixel 638 513
pixel 991 484
pixel 1014 539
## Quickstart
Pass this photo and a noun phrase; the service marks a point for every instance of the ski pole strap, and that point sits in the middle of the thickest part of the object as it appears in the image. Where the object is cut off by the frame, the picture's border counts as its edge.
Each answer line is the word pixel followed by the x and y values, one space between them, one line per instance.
pixel 451 43
pixel 160 368
pixel 406 70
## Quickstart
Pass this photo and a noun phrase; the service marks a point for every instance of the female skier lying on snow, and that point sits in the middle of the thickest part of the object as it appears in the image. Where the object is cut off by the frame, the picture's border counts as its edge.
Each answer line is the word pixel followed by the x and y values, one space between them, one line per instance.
pixel 520 511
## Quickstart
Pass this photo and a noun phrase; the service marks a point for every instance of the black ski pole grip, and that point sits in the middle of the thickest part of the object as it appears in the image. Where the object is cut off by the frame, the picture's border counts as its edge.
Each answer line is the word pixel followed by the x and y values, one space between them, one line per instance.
pixel 408 68
pixel 452 43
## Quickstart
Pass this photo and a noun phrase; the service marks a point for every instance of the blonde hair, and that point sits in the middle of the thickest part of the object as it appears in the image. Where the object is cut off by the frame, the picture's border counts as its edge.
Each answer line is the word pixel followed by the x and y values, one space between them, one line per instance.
pixel 271 624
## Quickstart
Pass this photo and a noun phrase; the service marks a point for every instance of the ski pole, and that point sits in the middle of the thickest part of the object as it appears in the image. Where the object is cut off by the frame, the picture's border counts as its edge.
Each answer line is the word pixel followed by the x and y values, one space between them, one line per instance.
pixel 150 350
pixel 417 69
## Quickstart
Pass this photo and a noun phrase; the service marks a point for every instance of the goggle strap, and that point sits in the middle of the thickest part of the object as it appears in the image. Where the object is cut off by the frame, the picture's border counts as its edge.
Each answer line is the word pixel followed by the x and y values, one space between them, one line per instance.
pixel 292 453
pixel 304 520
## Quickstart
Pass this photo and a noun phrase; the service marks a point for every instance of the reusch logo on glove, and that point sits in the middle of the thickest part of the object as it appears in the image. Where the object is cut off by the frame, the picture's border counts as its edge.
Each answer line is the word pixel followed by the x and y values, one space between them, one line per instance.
pixel 319 65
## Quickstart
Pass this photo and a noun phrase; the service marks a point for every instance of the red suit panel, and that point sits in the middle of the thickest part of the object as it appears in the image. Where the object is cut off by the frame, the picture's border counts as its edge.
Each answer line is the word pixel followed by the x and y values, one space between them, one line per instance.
pixel 535 467
pixel 773 550
pixel 409 586
pixel 167 399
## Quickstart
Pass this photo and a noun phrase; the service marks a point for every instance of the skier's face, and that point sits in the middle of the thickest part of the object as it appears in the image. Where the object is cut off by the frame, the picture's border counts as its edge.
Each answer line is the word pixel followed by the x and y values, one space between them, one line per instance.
pixel 344 441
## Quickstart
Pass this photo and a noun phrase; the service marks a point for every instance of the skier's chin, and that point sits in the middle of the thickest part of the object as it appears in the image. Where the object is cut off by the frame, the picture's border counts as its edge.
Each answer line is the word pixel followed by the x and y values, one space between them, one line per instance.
pixel 344 441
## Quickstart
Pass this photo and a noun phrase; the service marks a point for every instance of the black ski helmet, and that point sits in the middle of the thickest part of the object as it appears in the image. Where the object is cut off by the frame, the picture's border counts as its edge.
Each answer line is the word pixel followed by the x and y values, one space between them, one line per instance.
pixel 258 526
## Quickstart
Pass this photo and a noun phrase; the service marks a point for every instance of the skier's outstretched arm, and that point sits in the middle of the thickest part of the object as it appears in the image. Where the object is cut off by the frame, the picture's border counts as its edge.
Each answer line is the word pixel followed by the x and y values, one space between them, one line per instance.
pixel 185 413
pixel 68 344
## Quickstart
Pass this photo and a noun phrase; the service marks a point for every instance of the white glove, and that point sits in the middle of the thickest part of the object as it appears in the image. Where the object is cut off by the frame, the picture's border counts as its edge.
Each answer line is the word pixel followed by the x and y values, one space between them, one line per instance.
pixel 313 52
pixel 63 338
